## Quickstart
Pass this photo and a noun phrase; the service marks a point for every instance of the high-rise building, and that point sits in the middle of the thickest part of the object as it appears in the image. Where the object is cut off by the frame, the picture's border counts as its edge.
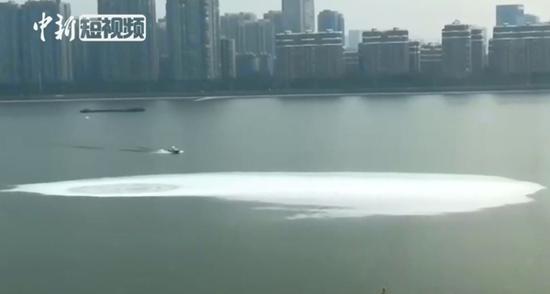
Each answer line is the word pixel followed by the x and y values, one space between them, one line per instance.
pixel 162 44
pixel 414 57
pixel 299 15
pixel 252 35
pixel 267 64
pixel 251 65
pixel 520 50
pixel 48 62
pixel 130 61
pixel 10 60
pixel 491 58
pixel 351 63
pixel 232 27
pixel 248 65
pixel 431 59
pixel 258 37
pixel 309 55
pixel 228 59
pixel 464 50
pixel 385 53
pixel 66 57
pixel 330 20
pixel 276 18
pixel 193 38
pixel 512 15
pixel 479 50
pixel 86 62
pixel 354 38
pixel 457 50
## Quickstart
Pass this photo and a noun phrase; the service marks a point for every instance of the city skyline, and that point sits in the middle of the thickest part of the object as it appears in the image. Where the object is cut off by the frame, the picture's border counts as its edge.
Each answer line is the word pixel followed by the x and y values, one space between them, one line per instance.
pixel 378 14
pixel 186 46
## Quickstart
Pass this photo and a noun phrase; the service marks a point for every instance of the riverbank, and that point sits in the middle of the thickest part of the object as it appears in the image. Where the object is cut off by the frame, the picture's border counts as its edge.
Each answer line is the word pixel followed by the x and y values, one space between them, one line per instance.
pixel 211 95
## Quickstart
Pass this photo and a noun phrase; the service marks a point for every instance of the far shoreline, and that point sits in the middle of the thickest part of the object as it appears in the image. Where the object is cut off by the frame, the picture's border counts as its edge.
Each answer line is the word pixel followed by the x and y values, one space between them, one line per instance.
pixel 280 93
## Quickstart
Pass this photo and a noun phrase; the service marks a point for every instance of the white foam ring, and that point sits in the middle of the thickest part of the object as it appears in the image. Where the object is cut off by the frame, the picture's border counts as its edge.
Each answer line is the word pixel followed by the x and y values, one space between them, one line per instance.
pixel 315 194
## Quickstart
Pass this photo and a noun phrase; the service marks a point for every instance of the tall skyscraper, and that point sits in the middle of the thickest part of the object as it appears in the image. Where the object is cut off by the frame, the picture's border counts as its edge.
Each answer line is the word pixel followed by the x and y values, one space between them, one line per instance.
pixel 310 55
pixel 276 18
pixel 385 53
pixel 464 50
pixel 194 39
pixel 232 27
pixel 130 61
pixel 259 37
pixel 299 15
pixel 48 62
pixel 330 20
pixel 86 62
pixel 162 37
pixel 252 35
pixel 10 60
pixel 510 15
pixel 162 44
pixel 228 59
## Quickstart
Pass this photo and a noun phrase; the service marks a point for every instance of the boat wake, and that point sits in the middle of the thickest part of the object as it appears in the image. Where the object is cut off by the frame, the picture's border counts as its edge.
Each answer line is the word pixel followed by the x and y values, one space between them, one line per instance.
pixel 315 195
pixel 161 152
pixel 152 151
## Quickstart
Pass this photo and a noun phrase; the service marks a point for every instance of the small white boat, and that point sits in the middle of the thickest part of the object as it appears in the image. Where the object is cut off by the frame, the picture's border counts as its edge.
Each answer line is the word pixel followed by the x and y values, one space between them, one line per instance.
pixel 174 150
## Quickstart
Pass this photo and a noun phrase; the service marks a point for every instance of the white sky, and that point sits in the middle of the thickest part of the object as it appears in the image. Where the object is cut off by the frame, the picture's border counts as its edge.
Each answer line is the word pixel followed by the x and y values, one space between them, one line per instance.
pixel 423 18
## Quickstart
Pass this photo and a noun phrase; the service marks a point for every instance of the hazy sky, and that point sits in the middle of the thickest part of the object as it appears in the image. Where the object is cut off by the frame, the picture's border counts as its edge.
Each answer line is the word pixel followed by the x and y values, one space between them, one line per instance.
pixel 423 18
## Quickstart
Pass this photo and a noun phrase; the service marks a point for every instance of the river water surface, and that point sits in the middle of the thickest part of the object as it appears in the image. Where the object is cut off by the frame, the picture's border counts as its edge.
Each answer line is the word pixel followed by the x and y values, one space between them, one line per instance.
pixel 348 194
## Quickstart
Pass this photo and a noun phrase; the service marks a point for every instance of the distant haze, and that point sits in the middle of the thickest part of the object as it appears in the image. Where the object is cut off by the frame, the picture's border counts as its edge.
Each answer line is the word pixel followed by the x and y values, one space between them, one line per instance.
pixel 423 18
